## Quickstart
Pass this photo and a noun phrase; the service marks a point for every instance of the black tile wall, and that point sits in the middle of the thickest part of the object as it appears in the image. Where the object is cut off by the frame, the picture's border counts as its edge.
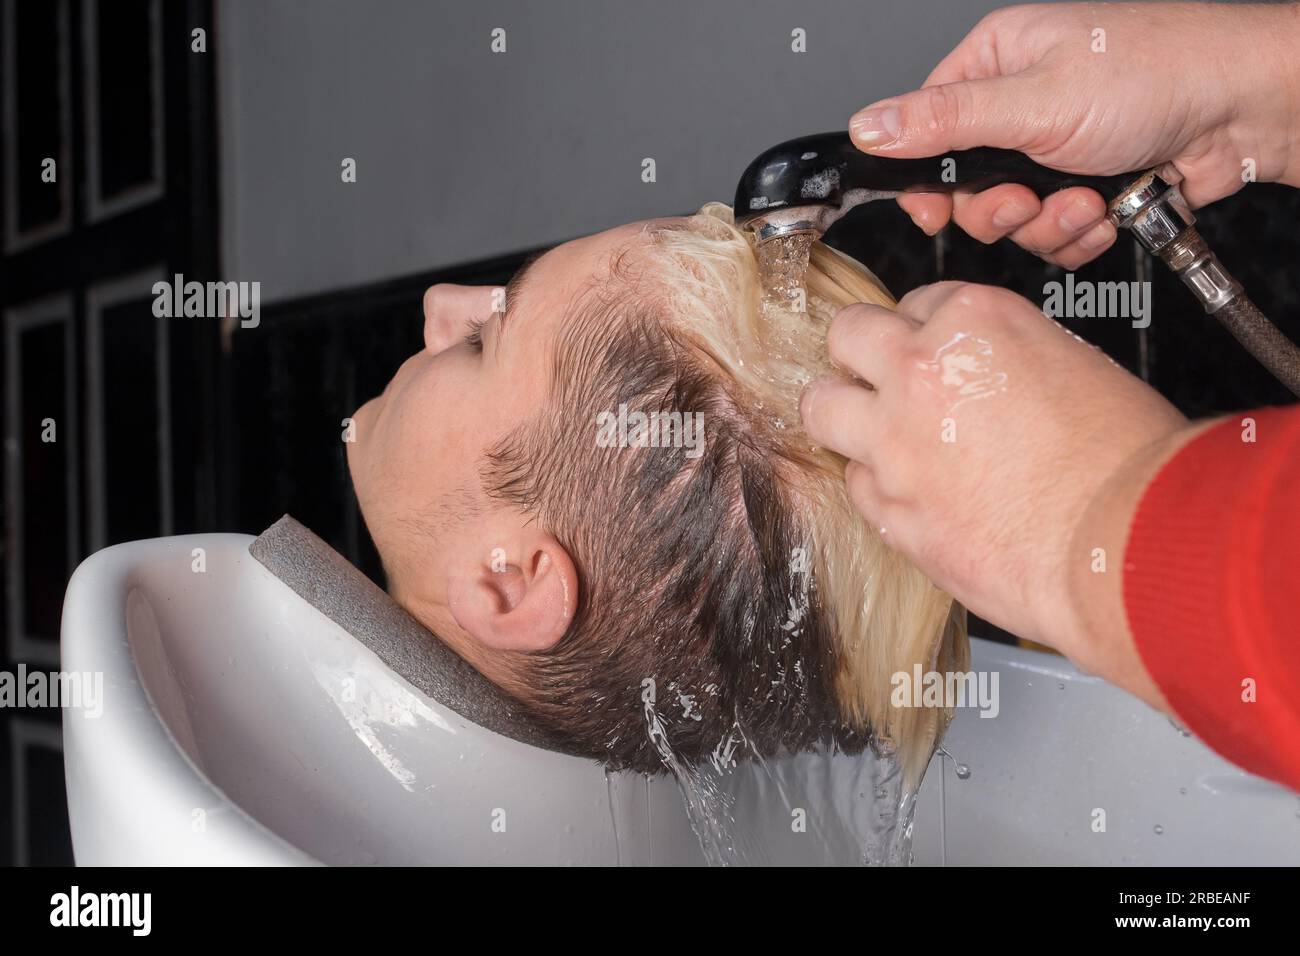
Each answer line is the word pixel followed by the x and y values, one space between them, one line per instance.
pixel 156 126
pixel 41 113
pixel 131 411
pixel 7 797
pixel 49 842
pixel 125 98
pixel 44 478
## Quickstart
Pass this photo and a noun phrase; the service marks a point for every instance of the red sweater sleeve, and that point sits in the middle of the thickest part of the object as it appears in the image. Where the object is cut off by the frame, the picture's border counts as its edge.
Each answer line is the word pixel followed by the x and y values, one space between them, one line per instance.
pixel 1212 587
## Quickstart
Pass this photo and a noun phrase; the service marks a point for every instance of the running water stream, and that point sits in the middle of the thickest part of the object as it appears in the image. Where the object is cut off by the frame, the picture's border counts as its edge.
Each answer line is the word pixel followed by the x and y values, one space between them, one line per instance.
pixel 823 807
pixel 782 267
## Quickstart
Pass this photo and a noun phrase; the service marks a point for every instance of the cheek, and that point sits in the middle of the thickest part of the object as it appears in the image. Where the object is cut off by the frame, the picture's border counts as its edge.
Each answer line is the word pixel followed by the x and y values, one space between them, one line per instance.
pixel 439 431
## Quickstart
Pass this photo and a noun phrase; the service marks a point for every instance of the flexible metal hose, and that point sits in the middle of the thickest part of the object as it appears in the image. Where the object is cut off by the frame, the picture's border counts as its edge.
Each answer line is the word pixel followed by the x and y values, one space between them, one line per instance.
pixel 1190 257
pixel 1262 339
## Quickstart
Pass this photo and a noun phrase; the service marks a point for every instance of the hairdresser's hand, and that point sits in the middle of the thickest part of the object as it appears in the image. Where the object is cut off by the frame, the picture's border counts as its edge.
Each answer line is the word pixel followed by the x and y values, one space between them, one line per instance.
pixel 1206 87
pixel 989 432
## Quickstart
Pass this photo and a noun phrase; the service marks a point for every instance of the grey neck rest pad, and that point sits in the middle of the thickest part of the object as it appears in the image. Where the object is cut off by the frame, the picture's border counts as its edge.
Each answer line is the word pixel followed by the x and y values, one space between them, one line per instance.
pixel 327 581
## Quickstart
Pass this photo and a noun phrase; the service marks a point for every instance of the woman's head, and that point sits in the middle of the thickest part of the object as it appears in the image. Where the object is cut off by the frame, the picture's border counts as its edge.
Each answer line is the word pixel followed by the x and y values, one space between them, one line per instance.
pixel 647 592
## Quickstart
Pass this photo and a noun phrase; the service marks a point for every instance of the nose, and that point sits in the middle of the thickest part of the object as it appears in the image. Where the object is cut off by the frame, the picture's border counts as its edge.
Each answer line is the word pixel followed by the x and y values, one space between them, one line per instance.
pixel 448 311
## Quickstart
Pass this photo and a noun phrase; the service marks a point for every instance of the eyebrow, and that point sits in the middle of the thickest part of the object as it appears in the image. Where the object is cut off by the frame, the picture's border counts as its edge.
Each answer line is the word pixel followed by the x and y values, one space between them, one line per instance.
pixel 516 284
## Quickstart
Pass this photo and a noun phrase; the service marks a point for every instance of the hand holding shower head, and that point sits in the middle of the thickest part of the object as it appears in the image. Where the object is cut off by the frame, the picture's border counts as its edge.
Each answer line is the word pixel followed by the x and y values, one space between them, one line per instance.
pixel 804 185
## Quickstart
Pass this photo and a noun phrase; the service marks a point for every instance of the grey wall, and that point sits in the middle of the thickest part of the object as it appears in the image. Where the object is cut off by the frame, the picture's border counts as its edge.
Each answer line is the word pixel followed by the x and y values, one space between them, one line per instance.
pixel 462 153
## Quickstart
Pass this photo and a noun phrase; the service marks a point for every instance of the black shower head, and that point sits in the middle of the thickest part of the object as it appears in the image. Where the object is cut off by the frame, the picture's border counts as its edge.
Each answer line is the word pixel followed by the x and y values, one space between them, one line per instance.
pixel 805 184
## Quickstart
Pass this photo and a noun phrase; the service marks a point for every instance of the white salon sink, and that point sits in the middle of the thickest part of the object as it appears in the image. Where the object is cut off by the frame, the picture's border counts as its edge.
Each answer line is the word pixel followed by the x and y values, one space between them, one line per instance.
pixel 242 726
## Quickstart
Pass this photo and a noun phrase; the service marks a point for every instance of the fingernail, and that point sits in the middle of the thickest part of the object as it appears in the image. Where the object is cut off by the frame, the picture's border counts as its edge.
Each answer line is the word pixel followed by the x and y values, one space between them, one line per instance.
pixel 1076 217
pixel 1098 236
pixel 805 403
pixel 925 223
pixel 808 399
pixel 878 126
pixel 1009 214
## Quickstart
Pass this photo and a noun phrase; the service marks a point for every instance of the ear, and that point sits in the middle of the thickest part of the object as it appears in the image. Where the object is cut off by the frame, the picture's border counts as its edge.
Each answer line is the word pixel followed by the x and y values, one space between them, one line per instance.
pixel 518 599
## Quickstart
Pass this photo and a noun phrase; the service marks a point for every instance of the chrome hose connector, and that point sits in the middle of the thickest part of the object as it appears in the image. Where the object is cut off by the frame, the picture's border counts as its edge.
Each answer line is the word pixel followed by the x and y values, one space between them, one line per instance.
pixel 1200 269
pixel 1154 210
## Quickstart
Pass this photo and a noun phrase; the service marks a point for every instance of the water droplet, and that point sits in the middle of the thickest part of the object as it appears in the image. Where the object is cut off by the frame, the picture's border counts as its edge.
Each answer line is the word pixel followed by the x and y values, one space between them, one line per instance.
pixel 960 769
pixel 1183 791
pixel 1158 829
pixel 1060 685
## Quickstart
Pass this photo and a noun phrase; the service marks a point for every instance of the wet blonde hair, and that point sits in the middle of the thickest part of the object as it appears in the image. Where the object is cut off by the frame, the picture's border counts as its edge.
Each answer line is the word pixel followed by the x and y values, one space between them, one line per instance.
pixel 886 616
pixel 732 600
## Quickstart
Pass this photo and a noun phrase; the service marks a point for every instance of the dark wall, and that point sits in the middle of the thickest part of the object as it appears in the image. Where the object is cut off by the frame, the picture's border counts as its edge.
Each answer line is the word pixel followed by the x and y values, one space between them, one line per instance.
pixel 114 93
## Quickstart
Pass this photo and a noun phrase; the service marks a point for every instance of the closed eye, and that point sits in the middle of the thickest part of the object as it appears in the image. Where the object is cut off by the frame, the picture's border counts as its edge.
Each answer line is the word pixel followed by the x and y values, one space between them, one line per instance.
pixel 475 337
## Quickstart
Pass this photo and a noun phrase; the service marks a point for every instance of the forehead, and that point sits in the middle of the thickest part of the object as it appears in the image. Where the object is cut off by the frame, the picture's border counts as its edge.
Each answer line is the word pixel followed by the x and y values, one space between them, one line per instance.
pixel 589 257
pixel 550 284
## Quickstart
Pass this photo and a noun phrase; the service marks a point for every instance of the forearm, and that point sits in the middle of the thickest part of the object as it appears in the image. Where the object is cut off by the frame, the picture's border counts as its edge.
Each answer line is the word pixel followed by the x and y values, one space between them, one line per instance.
pixel 1197 615
pixel 1094 628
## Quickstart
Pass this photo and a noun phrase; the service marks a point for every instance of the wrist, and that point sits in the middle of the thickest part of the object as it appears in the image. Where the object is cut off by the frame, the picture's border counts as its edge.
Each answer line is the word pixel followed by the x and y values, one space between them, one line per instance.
pixel 1266 94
